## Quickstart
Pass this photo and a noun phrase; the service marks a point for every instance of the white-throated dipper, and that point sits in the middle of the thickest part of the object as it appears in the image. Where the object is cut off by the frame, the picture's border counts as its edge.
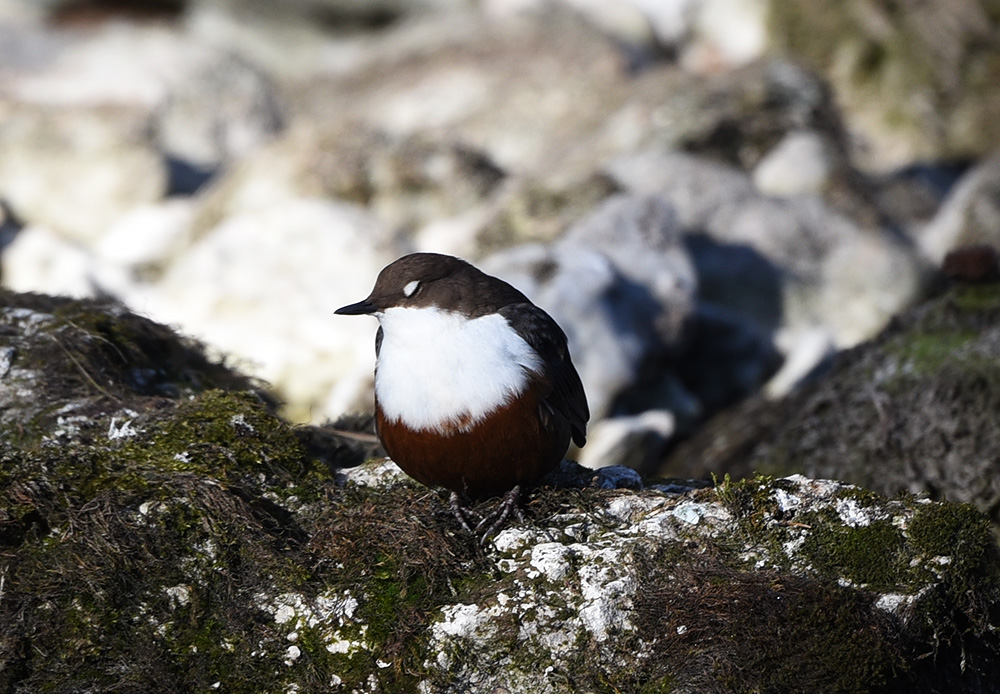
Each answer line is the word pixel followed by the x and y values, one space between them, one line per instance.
pixel 474 387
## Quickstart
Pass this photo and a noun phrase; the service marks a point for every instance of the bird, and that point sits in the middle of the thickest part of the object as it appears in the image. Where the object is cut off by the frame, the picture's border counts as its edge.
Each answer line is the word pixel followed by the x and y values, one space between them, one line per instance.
pixel 475 389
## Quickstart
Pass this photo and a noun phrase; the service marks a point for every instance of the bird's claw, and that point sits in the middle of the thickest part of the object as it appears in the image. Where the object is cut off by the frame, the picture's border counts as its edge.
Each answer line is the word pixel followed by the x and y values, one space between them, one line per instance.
pixel 509 506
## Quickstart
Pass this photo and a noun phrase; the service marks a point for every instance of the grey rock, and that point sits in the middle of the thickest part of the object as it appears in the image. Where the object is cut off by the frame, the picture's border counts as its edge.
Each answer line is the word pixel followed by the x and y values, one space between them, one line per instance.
pixel 26 46
pixel 479 82
pixel 204 108
pixel 831 272
pixel 633 442
pixel 799 164
pixel 216 519
pixel 76 170
pixel 38 259
pixel 642 237
pixel 695 188
pixel 303 38
pixel 970 214
pixel 739 115
pixel 407 182
pixel 315 255
pixel 622 284
pixel 219 111
pixel 911 410
pixel 908 80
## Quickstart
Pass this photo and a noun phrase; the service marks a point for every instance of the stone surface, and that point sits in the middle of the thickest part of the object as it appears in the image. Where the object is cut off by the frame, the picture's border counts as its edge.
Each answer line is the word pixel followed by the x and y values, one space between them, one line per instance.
pixel 911 410
pixel 643 239
pixel 219 110
pixel 149 236
pixel 913 79
pixel 407 182
pixel 632 441
pixel 262 287
pixel 38 259
pixel 797 165
pixel 159 522
pixel 970 214
pixel 807 265
pixel 76 170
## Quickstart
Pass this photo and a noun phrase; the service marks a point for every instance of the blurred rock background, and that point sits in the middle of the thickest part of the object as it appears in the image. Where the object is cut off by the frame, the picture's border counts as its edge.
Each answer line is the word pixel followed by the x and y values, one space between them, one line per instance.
pixel 711 197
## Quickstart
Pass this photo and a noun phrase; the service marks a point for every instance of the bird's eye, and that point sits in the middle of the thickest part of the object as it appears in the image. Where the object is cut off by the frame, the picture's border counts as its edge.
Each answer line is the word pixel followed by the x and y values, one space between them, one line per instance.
pixel 411 288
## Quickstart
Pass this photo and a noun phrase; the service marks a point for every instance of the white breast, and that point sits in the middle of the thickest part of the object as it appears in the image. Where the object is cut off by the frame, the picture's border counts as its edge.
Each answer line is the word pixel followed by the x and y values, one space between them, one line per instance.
pixel 437 366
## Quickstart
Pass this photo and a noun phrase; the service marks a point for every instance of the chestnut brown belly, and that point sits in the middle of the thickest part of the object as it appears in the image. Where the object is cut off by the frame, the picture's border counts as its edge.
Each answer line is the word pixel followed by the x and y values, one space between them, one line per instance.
pixel 516 444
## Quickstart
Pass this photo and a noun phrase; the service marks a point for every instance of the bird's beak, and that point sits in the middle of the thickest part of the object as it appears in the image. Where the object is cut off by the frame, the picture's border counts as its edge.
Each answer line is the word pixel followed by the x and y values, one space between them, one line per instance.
pixel 361 308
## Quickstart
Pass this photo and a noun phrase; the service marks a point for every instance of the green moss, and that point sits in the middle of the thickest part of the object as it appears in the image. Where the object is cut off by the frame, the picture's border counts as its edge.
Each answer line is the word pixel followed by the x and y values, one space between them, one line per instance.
pixel 220 430
pixel 747 498
pixel 399 553
pixel 661 685
pixel 229 436
pixel 926 353
pixel 865 498
pixel 726 629
pixel 974 298
pixel 751 501
pixel 872 555
pixel 961 533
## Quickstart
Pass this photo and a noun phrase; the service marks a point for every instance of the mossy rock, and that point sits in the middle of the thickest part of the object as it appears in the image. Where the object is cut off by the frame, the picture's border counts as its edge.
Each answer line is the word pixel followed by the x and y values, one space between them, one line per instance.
pixel 186 538
pixel 917 79
pixel 912 410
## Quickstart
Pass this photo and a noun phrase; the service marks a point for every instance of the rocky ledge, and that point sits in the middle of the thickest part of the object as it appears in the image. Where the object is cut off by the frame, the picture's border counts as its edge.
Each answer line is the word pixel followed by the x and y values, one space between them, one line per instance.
pixel 162 529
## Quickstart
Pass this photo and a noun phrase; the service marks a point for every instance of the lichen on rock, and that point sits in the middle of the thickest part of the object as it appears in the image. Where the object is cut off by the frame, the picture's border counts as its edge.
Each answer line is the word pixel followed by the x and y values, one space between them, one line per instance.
pixel 172 533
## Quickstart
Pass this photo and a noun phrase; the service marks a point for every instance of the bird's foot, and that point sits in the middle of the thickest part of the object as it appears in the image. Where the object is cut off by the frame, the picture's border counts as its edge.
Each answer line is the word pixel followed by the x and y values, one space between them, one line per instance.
pixel 464 514
pixel 509 506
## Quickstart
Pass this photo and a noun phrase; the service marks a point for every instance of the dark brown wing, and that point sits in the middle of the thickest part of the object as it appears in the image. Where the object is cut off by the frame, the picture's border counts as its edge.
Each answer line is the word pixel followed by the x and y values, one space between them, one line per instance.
pixel 566 399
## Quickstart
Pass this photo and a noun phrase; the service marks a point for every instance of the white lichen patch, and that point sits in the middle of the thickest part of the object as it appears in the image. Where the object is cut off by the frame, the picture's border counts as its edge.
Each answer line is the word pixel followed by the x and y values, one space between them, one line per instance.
pixel 336 609
pixel 551 560
pixel 897 603
pixel 815 489
pixel 148 508
pixel 625 508
pixel 379 474
pixel 792 546
pixel 607 589
pixel 292 654
pixel 558 594
pixel 693 513
pixel 891 602
pixel 241 425
pixel 511 540
pixel 69 426
pixel 460 624
pixel 786 502
pixel 6 360
pixel 852 514
pixel 179 595
pixel 28 322
pixel 121 429
pixel 330 616
pixel 461 621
